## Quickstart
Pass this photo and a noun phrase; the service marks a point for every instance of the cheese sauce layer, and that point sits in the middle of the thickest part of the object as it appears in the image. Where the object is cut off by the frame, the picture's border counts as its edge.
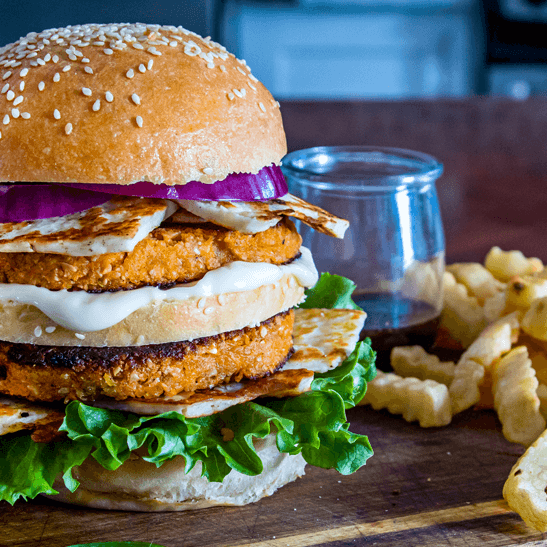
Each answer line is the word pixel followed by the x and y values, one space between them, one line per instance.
pixel 79 311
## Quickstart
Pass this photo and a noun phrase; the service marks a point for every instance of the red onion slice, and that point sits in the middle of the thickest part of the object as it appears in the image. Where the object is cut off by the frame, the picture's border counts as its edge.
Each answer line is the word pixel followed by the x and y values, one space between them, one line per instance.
pixel 268 183
pixel 20 202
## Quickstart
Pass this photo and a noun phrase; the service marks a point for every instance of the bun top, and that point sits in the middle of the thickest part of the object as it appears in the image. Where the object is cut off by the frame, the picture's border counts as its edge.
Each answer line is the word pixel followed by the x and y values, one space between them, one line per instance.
pixel 130 102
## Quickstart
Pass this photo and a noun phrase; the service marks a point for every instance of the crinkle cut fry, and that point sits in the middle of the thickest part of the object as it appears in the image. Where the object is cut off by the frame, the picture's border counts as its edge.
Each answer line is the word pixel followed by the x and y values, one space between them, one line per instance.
pixel 423 400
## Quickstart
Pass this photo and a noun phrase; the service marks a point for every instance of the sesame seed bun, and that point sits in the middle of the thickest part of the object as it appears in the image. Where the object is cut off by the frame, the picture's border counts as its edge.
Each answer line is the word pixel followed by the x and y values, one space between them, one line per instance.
pixel 126 103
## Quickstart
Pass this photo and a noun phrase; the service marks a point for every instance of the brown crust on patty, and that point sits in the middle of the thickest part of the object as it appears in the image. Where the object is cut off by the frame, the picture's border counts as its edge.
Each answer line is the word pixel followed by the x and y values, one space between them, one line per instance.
pixel 50 373
pixel 168 255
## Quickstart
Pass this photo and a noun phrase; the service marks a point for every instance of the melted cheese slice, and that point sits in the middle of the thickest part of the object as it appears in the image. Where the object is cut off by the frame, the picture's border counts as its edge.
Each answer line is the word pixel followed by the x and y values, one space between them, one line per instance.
pixel 116 226
pixel 251 217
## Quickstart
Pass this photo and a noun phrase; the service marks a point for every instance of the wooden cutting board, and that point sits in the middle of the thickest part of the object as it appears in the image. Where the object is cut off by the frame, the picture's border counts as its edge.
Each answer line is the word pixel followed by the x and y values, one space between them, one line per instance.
pixel 434 487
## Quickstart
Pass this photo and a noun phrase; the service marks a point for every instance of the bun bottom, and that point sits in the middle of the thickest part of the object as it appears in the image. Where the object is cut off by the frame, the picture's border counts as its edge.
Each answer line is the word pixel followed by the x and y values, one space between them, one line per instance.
pixel 141 486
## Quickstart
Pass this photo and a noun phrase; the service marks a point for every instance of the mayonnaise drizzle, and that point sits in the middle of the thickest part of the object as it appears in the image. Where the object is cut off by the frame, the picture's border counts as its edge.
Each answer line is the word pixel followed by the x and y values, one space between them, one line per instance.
pixel 80 311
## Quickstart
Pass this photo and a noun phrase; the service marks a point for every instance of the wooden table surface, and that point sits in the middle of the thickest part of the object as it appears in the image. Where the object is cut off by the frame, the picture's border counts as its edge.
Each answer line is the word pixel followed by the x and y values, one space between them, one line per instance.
pixel 434 487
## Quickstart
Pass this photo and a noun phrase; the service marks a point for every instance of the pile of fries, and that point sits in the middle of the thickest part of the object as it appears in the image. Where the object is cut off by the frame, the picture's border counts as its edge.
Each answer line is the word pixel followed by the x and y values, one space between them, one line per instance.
pixel 497 314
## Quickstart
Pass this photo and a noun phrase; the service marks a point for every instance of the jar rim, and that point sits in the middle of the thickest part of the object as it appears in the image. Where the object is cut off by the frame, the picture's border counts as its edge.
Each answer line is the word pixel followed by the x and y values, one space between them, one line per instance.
pixel 374 168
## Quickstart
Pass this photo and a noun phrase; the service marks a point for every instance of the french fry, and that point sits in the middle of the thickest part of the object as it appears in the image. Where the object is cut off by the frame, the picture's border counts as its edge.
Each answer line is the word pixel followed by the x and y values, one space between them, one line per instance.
pixel 426 401
pixel 478 280
pixel 414 361
pixel 521 292
pixel 471 385
pixel 464 390
pixel 494 307
pixel 493 341
pixel 534 322
pixel 541 392
pixel 504 265
pixel 514 385
pixel 525 487
pixel 462 315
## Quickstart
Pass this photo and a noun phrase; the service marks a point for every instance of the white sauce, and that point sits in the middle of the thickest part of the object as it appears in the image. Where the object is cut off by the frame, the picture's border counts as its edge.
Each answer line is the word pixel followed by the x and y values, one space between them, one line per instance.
pixel 84 312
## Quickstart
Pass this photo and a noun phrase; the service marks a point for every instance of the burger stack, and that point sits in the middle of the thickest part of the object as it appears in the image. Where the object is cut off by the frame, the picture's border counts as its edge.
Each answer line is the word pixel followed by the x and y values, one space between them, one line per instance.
pixel 149 273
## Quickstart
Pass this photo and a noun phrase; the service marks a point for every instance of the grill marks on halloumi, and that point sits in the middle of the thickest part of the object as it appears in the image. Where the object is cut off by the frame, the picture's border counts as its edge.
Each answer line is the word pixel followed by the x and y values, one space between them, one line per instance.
pixel 116 226
pixel 252 217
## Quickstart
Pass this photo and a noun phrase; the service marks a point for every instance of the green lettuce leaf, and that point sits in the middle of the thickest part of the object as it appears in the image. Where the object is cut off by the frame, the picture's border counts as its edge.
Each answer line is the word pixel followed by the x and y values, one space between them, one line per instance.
pixel 331 291
pixel 313 424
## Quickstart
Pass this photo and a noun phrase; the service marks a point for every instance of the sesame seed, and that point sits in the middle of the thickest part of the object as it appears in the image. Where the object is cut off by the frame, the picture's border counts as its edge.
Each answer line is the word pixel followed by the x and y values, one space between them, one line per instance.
pixel 108 51
pixel 208 311
pixel 68 128
pixel 130 73
pixel 72 57
pixel 23 72
pixel 136 45
pixel 86 91
pixel 85 60
pixel 153 51
pixel 31 55
pixel 55 58
pixel 142 68
pixel 0 134
pixel 56 114
pixel 19 100
pixel 15 112
pixel 42 85
pixel 108 96
pixel 6 75
pixel 150 64
pixel 223 68
pixel 237 93
pixel 262 107
pixel 67 68
pixel 208 171
pixel 173 43
pixel 201 303
pixel 251 86
pixel 56 77
pixel 136 99
pixel 49 330
pixel 138 121
pixel 38 331
pixel 47 58
pixel 10 96
pixel 5 121
pixel 25 115
pixel 211 65
pixel 21 86
pixel 88 69
pixel 79 336
pixel 231 96
pixel 98 43
pixel 5 88
pixel 96 105
pixel 241 70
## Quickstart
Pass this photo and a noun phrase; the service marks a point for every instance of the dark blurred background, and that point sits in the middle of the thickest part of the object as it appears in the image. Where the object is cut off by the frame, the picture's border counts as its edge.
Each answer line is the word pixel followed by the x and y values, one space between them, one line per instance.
pixel 343 49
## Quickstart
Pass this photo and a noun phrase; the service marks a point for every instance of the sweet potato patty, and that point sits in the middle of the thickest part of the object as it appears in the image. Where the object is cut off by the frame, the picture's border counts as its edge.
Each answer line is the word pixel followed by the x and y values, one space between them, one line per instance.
pixel 170 254
pixel 50 373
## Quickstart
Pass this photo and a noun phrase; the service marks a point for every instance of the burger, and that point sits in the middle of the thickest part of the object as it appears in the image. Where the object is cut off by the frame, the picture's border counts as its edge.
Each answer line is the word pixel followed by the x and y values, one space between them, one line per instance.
pixel 165 342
